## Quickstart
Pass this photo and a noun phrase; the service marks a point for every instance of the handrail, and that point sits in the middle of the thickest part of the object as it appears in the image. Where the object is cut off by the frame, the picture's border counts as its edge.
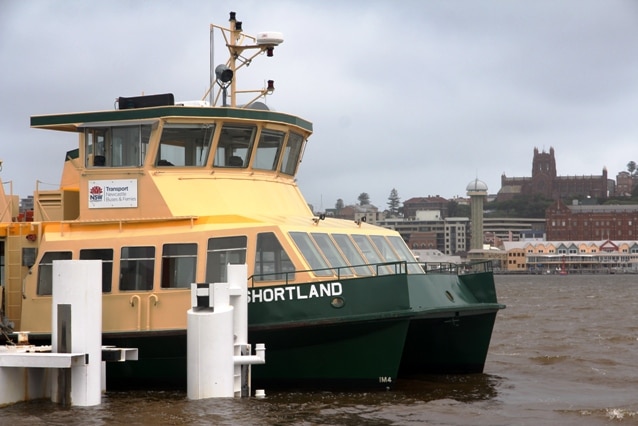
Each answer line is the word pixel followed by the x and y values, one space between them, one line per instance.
pixel 132 301
pixel 476 267
pixel 153 300
pixel 400 268
pixel 391 268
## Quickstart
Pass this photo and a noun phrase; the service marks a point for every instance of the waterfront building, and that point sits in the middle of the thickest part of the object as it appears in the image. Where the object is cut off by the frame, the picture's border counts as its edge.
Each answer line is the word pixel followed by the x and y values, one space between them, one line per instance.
pixel 591 222
pixel 513 228
pixel 600 256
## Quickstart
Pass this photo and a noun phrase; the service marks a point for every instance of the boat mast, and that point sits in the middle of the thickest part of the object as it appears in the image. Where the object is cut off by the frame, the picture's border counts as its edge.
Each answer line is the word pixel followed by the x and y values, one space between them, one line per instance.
pixel 235 31
pixel 224 75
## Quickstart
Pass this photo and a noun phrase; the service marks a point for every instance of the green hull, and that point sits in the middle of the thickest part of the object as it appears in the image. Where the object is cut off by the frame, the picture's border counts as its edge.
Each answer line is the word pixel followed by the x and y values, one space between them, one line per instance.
pixel 452 325
pixel 447 345
pixel 383 328
pixel 365 354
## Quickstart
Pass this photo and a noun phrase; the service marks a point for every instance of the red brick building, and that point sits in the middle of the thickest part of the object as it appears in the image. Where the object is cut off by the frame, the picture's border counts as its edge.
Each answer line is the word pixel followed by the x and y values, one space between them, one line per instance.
pixel 422 240
pixel 591 222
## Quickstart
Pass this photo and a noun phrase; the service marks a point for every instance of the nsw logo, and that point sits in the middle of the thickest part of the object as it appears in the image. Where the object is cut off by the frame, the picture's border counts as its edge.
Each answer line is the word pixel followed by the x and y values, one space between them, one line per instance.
pixel 96 193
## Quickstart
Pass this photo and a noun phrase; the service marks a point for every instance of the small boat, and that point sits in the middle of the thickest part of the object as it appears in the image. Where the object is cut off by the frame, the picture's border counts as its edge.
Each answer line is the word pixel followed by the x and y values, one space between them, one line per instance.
pixel 168 193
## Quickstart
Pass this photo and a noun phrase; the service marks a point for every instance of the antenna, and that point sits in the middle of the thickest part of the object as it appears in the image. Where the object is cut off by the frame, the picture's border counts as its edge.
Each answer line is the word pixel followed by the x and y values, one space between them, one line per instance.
pixel 239 43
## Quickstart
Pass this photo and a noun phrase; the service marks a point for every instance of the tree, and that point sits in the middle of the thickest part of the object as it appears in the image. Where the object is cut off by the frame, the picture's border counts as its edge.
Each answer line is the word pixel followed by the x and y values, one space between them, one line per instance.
pixel 394 203
pixel 339 205
pixel 364 199
pixel 521 205
pixel 631 167
pixel 454 209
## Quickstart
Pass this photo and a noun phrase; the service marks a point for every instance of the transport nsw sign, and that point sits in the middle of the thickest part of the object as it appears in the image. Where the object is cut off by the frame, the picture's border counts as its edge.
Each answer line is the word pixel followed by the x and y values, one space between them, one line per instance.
pixel 112 193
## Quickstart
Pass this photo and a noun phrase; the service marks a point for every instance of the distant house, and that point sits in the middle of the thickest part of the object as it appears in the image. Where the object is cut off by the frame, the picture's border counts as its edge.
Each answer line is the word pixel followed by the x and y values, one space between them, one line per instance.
pixel 367 213
pixel 413 205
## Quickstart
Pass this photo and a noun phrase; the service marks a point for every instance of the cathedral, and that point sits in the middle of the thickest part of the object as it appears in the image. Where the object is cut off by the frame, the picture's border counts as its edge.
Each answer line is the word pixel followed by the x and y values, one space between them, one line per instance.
pixel 547 183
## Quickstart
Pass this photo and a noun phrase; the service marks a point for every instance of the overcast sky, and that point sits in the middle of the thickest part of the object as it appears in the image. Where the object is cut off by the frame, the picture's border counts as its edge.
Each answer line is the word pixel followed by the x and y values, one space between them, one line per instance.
pixel 422 96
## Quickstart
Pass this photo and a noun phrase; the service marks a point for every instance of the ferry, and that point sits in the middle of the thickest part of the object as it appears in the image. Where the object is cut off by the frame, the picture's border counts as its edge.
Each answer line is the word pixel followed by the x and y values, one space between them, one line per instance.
pixel 169 193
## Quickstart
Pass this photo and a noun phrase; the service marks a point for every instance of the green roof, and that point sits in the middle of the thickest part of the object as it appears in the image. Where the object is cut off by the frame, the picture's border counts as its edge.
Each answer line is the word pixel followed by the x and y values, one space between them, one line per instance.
pixel 69 122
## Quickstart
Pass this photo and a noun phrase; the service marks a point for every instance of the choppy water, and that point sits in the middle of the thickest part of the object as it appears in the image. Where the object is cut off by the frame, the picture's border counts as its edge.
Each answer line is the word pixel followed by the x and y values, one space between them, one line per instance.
pixel 564 352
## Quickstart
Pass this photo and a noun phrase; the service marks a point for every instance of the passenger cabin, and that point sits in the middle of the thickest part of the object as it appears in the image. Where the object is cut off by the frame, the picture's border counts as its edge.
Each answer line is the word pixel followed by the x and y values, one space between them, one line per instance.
pixel 168 195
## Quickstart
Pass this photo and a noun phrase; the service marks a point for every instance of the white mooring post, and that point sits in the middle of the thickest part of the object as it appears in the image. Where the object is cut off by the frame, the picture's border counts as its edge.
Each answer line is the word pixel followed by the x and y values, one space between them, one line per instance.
pixel 77 327
pixel 217 330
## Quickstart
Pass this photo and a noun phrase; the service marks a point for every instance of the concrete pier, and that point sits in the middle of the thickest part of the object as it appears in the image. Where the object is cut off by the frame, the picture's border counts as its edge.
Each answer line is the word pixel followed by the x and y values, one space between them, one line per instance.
pixel 70 371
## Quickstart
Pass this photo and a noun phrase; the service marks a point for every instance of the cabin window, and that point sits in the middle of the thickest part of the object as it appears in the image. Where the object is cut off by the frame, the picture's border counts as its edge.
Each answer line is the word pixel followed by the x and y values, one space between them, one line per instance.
pixel 136 268
pixel 271 260
pixel 123 146
pixel 179 263
pixel 234 146
pixel 185 145
pixel 387 253
pixel 352 254
pixel 384 248
pixel 292 154
pixel 268 149
pixel 221 252
pixel 331 253
pixel 312 255
pixel 367 248
pixel 95 147
pixel 405 254
pixel 106 256
pixel 45 271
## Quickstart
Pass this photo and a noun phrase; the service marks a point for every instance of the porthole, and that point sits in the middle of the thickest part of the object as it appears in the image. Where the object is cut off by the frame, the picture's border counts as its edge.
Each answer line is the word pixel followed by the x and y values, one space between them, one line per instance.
pixel 337 302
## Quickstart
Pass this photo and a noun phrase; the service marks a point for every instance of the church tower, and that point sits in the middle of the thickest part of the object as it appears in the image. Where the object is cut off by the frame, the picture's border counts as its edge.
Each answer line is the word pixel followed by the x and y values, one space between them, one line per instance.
pixel 543 172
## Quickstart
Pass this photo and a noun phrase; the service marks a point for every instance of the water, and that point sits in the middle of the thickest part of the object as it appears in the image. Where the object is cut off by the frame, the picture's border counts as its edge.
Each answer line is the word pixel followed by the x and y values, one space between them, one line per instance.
pixel 563 352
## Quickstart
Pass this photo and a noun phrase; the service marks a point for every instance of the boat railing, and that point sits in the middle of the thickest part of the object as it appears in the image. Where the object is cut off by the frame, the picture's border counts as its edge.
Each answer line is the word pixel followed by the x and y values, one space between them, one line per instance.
pixel 458 268
pixel 340 272
pixel 376 269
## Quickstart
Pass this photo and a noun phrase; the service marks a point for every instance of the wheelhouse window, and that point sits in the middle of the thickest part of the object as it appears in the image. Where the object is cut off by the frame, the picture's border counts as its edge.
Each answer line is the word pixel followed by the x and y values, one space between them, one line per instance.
pixel 122 146
pixel 311 253
pixel 292 154
pixel 95 147
pixel 387 253
pixel 106 256
pixel 331 253
pixel 221 252
pixel 179 263
pixel 185 145
pixel 271 260
pixel 234 146
pixel 45 271
pixel 268 149
pixel 352 254
pixel 405 254
pixel 136 268
pixel 369 252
